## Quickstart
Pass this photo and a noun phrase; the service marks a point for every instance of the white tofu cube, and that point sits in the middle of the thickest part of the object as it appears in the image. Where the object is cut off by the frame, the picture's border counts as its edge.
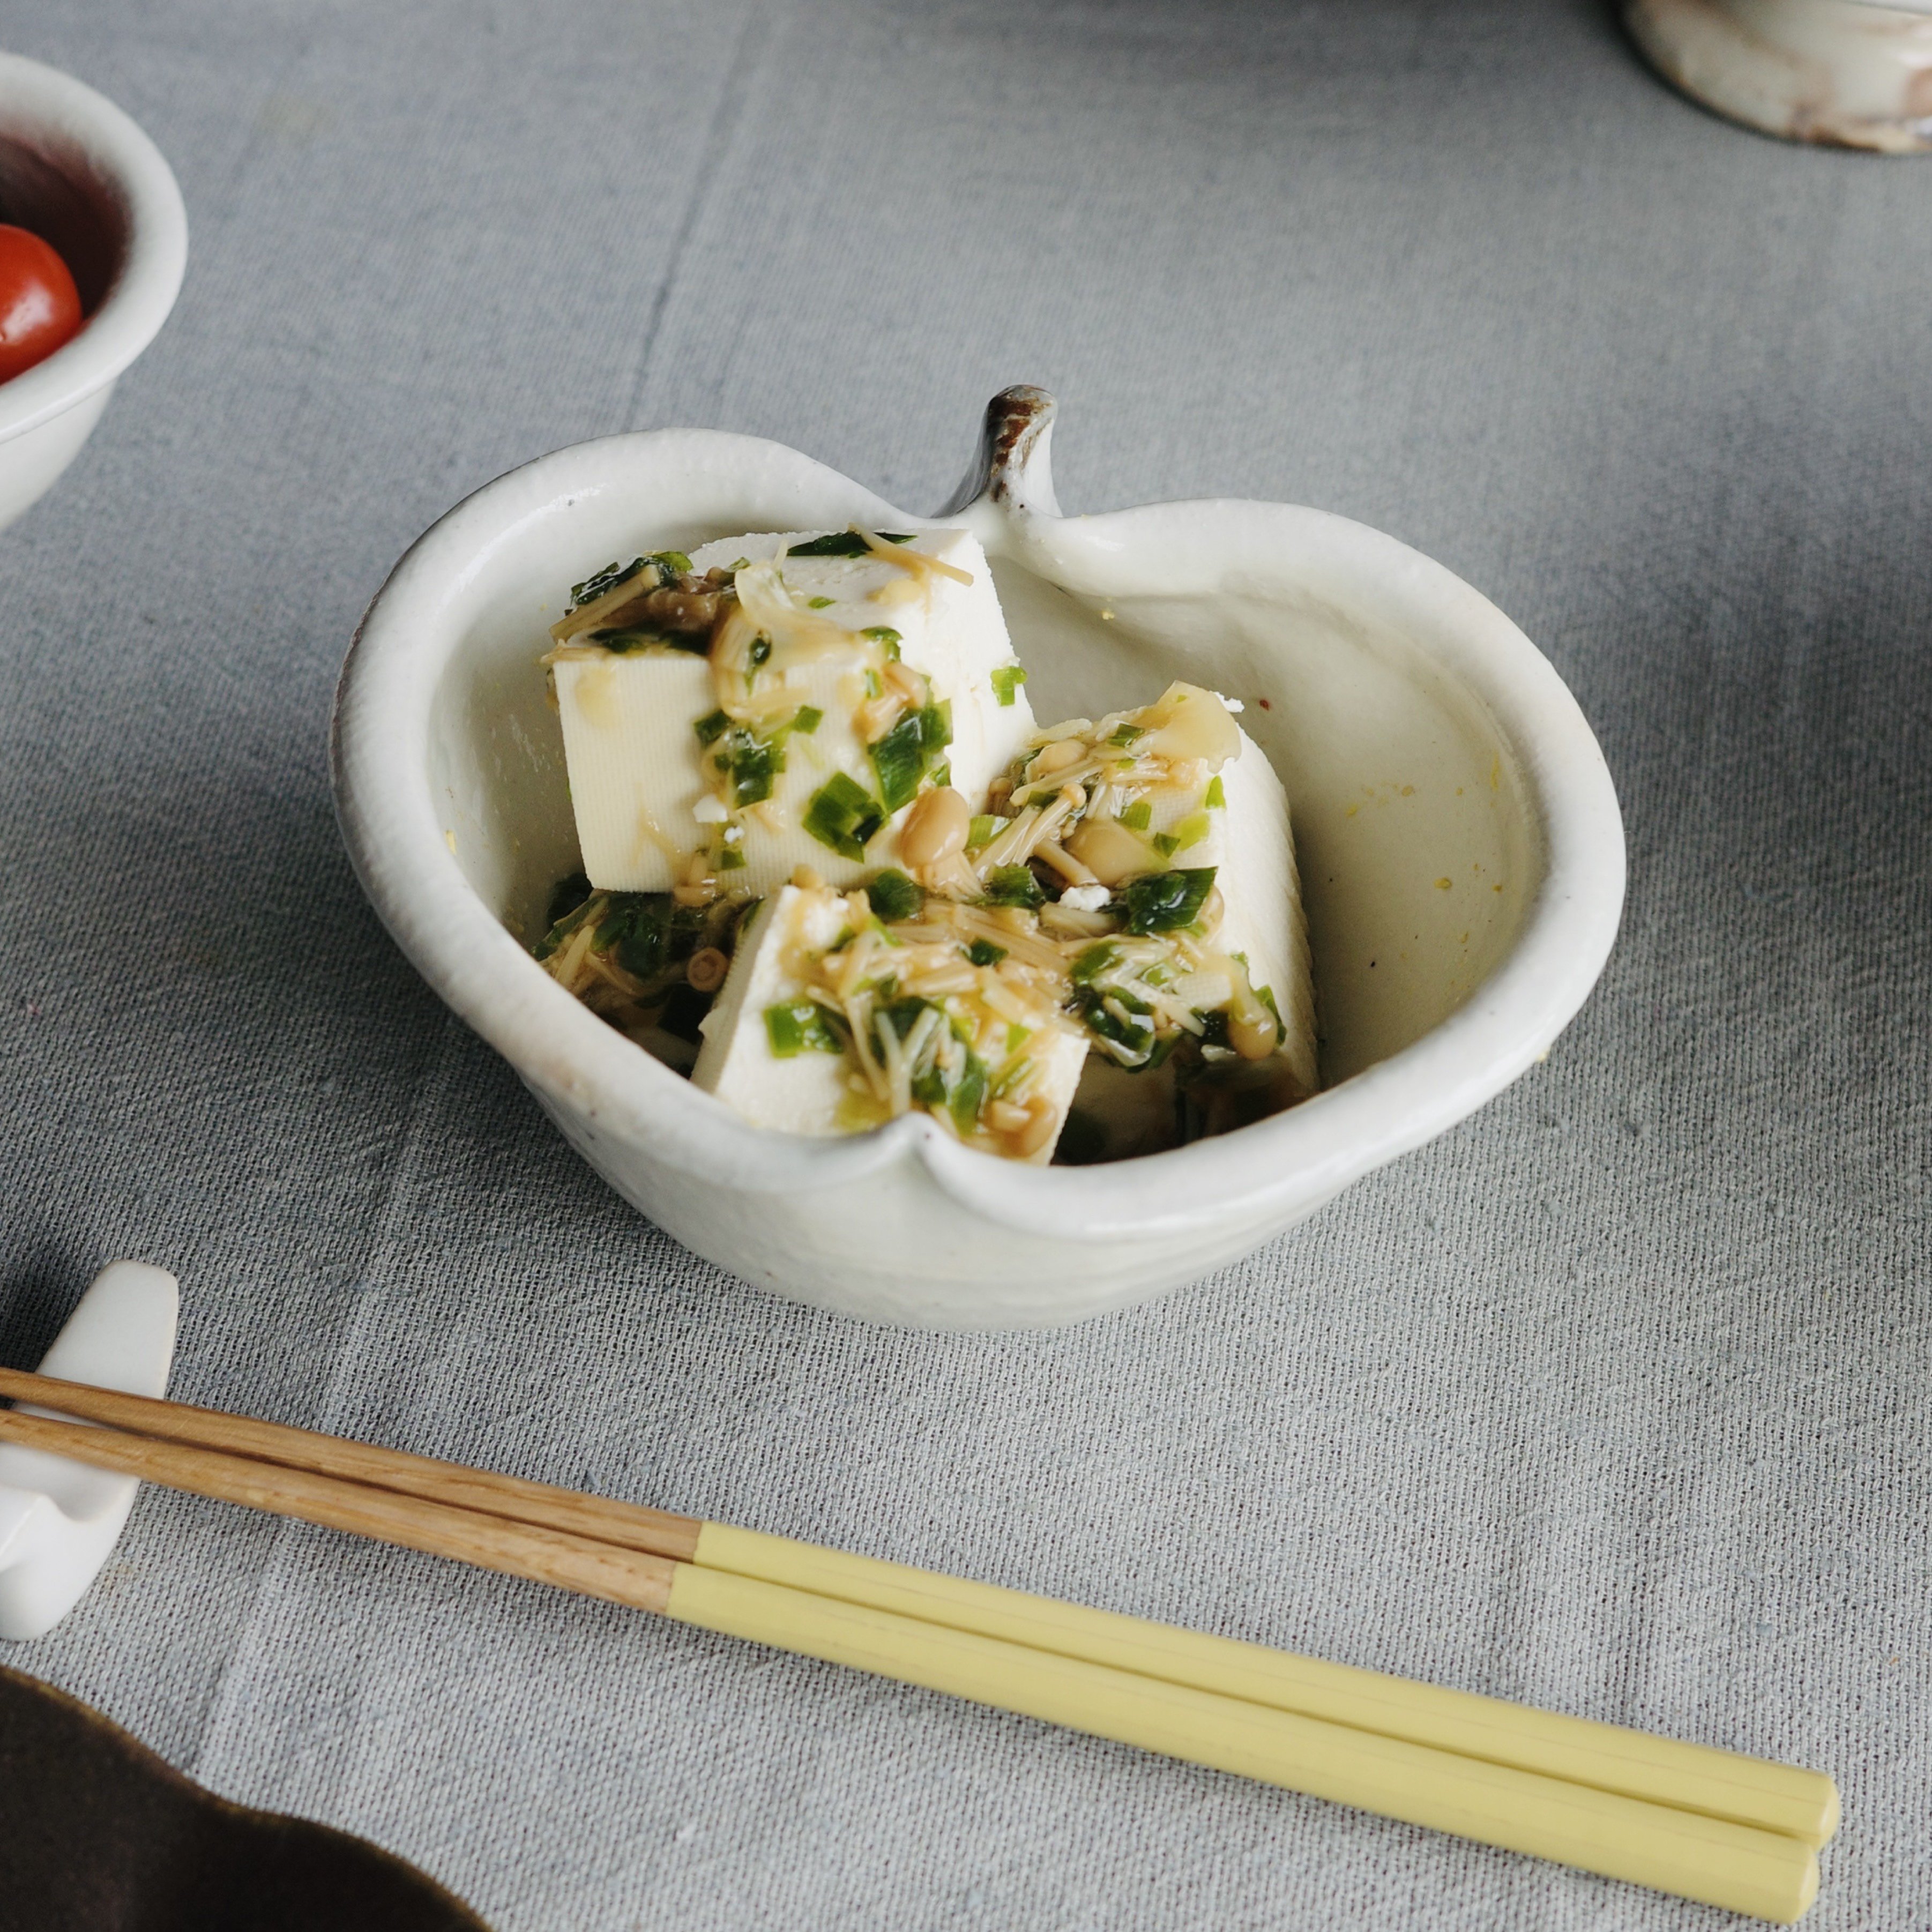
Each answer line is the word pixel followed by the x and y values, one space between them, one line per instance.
pixel 954 632
pixel 786 1060
pixel 636 783
pixel 1178 786
pixel 1253 855
pixel 1249 842
pixel 799 1093
pixel 1122 1113
pixel 672 755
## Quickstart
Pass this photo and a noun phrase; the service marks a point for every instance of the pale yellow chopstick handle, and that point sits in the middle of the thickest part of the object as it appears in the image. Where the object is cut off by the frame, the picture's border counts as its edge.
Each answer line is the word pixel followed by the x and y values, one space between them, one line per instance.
pixel 1761 1872
pixel 1725 1784
pixel 1765 1873
pixel 1661 1771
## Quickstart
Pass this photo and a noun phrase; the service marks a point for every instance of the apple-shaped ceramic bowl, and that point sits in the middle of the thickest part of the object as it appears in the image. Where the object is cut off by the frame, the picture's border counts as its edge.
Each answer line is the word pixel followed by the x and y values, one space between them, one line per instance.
pixel 1461 853
pixel 81 175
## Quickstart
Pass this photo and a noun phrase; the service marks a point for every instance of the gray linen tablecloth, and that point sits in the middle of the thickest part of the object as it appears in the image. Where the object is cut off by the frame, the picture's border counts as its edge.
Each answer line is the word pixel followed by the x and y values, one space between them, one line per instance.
pixel 1614 1399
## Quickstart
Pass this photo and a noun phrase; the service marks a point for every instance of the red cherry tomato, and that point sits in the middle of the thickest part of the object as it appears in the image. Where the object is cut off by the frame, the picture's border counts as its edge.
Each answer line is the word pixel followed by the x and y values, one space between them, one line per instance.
pixel 40 308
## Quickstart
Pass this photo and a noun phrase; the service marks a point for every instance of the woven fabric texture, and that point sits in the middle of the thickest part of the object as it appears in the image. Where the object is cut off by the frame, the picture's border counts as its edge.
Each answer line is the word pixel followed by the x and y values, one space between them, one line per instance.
pixel 1614 1399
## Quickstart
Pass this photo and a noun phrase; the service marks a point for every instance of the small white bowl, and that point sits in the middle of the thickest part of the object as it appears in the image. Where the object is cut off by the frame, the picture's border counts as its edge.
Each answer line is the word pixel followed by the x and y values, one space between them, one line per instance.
pixel 1460 846
pixel 1847 73
pixel 78 172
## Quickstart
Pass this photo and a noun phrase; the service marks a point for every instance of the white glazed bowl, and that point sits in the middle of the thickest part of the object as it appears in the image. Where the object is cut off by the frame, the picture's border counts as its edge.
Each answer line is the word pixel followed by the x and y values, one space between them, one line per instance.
pixel 1845 72
pixel 1430 754
pixel 75 170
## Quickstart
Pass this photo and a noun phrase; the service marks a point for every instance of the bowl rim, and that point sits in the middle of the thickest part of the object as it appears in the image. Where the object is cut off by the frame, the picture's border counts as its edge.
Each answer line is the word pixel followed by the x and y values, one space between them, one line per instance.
pixel 42 107
pixel 380 741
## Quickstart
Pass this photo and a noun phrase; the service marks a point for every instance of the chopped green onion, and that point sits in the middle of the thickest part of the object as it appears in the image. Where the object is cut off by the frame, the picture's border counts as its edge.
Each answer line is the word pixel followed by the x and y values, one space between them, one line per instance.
pixel 730 859
pixel 908 751
pixel 760 652
pixel 845 543
pixel 885 636
pixel 894 896
pixel 1137 816
pixel 711 729
pixel 800 1026
pixel 621 641
pixel 651 936
pixel 844 816
pixel 899 759
pixel 1093 962
pixel 1126 734
pixel 1013 885
pixel 807 718
pixel 1166 901
pixel 1118 1018
pixel 1216 798
pixel 984 953
pixel 818 603
pixel 1266 995
pixel 1007 680
pixel 969 1093
pixel 594 586
pixel 1017 1036
pixel 1166 844
pixel 946 1073
pixel 984 829
pixel 1191 830
pixel 561 927
pixel 753 765
pixel 646 931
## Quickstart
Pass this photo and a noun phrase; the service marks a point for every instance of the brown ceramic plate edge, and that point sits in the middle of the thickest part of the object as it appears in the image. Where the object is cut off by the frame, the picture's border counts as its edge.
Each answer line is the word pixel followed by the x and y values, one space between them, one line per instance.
pixel 99 1831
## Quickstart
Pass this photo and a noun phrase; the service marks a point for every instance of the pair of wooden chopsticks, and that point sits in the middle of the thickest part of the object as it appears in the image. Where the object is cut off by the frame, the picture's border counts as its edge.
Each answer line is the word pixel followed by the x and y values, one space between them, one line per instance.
pixel 1709 1825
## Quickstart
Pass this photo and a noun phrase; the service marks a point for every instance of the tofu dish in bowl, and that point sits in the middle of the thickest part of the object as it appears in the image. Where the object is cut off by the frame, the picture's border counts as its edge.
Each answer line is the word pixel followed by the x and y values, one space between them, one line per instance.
pixel 836 870
pixel 849 885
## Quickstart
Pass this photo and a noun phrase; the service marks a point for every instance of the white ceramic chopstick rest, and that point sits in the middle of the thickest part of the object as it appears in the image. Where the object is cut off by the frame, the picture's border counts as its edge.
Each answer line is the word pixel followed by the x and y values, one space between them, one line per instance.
pixel 58 1519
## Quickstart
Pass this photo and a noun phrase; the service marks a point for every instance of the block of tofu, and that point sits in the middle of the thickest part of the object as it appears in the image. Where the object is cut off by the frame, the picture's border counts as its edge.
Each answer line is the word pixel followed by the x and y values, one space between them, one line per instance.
pixel 1122 1112
pixel 1261 887
pixel 1136 792
pixel 822 1027
pixel 954 632
pixel 783 748
pixel 1129 802
pixel 799 1092
pixel 636 780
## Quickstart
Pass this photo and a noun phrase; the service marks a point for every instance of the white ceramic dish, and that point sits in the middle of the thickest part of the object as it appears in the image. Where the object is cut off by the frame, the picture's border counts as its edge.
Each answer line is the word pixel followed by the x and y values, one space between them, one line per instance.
pixel 1845 72
pixel 78 172
pixel 1460 846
